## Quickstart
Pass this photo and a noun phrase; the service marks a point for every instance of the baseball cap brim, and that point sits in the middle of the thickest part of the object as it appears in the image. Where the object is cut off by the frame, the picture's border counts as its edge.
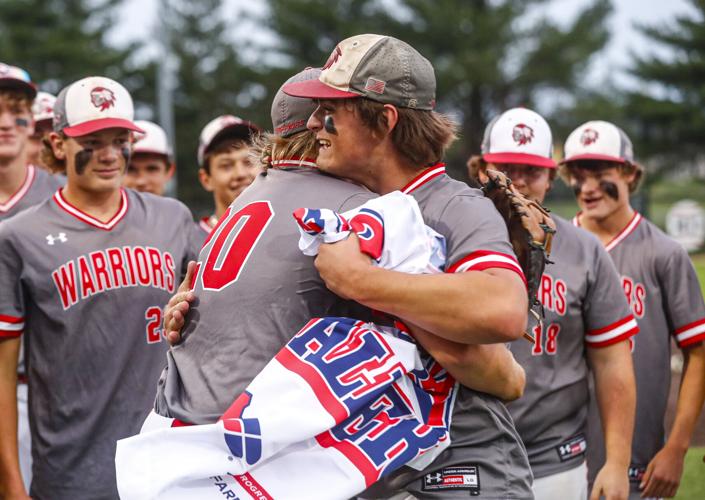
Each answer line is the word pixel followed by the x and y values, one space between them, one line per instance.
pixel 593 156
pixel 16 84
pixel 315 89
pixel 102 124
pixel 519 158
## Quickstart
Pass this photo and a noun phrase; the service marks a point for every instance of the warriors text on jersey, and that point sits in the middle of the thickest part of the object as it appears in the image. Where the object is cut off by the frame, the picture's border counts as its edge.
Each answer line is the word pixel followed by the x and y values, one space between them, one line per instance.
pixel 88 297
pixel 662 289
pixel 584 308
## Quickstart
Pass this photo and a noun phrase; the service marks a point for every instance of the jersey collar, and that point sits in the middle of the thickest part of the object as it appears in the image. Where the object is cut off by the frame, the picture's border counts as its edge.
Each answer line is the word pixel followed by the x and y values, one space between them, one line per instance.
pixel 424 177
pixel 208 223
pixel 626 231
pixel 84 217
pixel 19 194
pixel 294 162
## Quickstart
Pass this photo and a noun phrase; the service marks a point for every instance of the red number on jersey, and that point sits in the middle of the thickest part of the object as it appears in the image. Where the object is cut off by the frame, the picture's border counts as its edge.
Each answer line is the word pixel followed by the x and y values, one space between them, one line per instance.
pixel 153 315
pixel 236 236
pixel 551 339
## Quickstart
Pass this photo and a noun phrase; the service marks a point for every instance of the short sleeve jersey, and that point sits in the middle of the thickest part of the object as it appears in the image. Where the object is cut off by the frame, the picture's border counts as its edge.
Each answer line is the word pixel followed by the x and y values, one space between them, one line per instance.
pixel 255 290
pixel 485 450
pixel 39 185
pixel 88 296
pixel 584 308
pixel 662 289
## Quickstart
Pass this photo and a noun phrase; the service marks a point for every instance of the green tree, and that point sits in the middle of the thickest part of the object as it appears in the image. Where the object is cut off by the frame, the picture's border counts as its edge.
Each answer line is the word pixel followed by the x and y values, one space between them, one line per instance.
pixel 486 57
pixel 209 80
pixel 59 41
pixel 667 117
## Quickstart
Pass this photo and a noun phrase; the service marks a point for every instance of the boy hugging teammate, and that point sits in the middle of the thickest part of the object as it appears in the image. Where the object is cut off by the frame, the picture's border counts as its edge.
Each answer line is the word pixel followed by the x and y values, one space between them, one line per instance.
pixel 86 274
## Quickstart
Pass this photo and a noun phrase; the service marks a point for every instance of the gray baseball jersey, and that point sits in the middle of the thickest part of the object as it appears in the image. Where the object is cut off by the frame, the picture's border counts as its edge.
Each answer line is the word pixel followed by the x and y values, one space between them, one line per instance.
pixel 37 187
pixel 584 308
pixel 88 296
pixel 662 289
pixel 486 456
pixel 255 290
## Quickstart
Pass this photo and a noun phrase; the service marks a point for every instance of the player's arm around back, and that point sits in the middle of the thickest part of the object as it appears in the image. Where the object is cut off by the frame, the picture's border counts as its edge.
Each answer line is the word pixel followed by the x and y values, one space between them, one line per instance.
pixel 468 307
pixel 616 397
pixel 11 485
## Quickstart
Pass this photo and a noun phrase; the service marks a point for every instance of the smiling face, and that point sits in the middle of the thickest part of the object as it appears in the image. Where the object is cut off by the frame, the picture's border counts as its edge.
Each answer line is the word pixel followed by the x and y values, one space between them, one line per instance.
pixel 94 162
pixel 344 142
pixel 230 170
pixel 148 173
pixel 601 188
pixel 16 125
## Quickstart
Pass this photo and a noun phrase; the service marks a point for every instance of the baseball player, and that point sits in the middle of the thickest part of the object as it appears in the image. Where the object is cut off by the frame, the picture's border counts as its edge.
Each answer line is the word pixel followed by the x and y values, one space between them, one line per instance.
pixel 662 289
pixel 209 368
pixel 85 275
pixel 375 125
pixel 42 113
pixel 587 319
pixel 22 185
pixel 225 166
pixel 151 164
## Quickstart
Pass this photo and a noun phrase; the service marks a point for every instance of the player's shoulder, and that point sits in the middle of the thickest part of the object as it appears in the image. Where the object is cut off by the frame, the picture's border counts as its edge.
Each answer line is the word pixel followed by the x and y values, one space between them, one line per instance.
pixel 45 178
pixel 566 229
pixel 662 247
pixel 156 204
pixel 28 220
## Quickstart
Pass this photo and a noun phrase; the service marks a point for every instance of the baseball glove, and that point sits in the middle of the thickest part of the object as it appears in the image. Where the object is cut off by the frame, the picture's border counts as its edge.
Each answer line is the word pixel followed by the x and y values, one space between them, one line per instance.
pixel 531 231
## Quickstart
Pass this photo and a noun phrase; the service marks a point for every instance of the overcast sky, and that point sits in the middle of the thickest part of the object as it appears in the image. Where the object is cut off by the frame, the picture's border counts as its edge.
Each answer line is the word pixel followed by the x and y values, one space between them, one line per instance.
pixel 138 18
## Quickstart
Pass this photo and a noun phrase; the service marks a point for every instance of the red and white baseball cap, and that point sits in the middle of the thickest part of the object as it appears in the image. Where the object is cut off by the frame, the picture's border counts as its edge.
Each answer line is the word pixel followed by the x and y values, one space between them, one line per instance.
pixel 43 107
pixel 598 140
pixel 222 127
pixel 92 104
pixel 152 141
pixel 376 67
pixel 12 77
pixel 520 136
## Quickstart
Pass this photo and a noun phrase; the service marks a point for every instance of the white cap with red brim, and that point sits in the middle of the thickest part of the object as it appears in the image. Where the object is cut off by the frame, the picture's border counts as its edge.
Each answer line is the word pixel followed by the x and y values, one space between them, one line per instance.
pixel 93 104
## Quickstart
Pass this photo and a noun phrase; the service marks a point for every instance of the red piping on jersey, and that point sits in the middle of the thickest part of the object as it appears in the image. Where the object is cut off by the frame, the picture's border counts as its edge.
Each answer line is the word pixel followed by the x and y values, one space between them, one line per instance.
pixel 484 259
pixel 424 177
pixel 205 224
pixel 11 326
pixel 696 330
pixel 294 162
pixel 626 231
pixel 614 327
pixel 19 194
pixel 82 216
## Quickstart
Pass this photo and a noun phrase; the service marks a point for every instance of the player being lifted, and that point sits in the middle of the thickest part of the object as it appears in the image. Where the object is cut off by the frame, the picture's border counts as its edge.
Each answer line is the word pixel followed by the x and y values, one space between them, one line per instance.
pixel 85 274
pixel 587 320
pixel 662 288
pixel 225 166
pixel 151 163
pixel 266 325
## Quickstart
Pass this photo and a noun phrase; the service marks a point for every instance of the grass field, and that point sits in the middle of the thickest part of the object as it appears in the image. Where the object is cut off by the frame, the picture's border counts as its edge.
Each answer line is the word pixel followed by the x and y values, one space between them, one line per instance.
pixel 693 482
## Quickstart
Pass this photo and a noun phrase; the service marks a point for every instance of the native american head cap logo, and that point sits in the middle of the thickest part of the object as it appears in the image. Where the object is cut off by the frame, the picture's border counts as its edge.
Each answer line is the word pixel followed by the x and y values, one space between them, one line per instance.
pixel 522 134
pixel 333 58
pixel 102 98
pixel 589 136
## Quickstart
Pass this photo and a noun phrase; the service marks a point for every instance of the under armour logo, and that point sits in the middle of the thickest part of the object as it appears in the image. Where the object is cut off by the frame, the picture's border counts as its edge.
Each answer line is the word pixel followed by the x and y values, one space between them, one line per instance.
pixel 52 239
pixel 434 478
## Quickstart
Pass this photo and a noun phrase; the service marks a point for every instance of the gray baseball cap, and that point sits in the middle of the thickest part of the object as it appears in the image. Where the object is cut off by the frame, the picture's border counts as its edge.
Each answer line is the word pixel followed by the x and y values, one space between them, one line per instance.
pixel 290 114
pixel 376 67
